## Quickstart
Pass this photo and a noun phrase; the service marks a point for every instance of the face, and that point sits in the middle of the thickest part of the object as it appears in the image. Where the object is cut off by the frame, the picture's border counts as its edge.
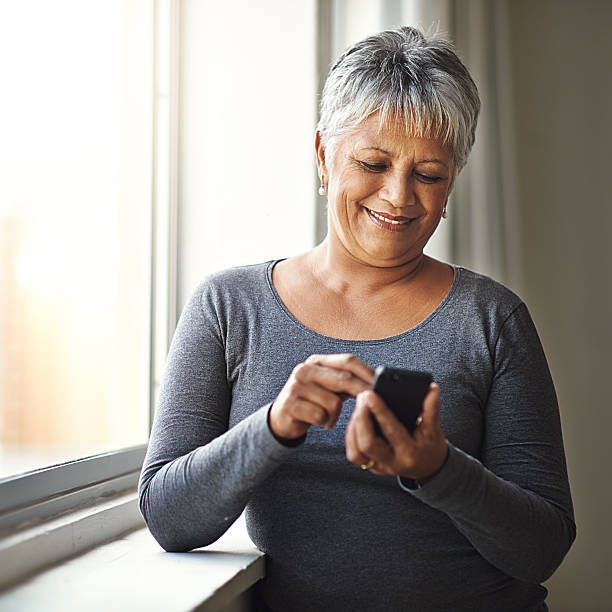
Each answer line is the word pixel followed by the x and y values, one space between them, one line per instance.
pixel 386 191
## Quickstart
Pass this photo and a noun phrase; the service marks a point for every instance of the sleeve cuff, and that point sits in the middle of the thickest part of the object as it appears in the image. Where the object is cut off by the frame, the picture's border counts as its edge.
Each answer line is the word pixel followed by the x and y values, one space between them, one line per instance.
pixel 408 484
pixel 447 490
pixel 260 435
pixel 289 443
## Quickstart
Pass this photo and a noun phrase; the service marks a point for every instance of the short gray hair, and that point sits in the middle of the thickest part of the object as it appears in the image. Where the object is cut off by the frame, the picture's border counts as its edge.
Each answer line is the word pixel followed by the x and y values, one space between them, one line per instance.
pixel 404 75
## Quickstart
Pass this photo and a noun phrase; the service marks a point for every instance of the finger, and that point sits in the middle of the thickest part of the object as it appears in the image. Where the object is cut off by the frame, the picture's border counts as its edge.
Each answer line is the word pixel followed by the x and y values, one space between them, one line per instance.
pixel 329 401
pixel 308 412
pixel 332 379
pixel 348 362
pixel 368 442
pixel 395 433
pixel 381 471
pixel 353 454
pixel 431 409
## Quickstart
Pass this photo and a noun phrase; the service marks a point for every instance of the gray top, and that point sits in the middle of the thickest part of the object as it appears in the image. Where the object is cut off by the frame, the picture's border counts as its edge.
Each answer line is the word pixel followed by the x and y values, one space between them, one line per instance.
pixel 481 535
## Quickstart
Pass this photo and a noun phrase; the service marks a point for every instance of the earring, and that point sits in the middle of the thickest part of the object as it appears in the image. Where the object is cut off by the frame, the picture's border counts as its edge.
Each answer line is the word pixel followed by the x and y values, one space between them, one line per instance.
pixel 444 213
pixel 323 189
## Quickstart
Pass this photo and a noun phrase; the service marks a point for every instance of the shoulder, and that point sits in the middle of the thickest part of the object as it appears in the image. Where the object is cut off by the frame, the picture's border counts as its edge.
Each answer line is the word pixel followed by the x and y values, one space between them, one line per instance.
pixel 238 275
pixel 484 294
pixel 231 284
pixel 233 298
pixel 480 306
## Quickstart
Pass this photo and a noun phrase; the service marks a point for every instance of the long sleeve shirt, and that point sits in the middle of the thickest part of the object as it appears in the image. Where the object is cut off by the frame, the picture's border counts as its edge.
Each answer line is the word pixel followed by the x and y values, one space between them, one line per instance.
pixel 482 534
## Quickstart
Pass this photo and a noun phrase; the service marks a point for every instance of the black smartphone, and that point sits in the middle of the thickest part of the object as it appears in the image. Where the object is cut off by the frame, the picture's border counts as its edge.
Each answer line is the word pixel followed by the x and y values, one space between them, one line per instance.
pixel 403 392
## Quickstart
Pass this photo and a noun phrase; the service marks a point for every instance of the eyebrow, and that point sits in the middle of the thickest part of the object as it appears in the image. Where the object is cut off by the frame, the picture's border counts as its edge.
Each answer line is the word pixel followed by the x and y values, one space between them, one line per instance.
pixel 421 161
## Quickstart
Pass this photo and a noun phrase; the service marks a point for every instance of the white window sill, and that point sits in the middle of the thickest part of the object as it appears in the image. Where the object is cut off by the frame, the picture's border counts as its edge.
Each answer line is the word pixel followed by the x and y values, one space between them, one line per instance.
pixel 133 572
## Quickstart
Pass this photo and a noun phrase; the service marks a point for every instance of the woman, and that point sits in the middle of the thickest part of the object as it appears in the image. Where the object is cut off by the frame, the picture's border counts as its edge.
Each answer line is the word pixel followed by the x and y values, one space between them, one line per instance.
pixel 473 510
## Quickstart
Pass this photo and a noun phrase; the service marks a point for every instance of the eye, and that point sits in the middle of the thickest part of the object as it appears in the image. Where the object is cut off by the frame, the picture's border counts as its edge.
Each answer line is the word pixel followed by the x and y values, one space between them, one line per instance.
pixel 379 167
pixel 428 178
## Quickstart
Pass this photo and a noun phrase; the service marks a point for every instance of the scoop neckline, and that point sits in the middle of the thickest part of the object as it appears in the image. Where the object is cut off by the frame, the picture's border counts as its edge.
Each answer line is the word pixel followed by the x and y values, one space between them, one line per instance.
pixel 346 341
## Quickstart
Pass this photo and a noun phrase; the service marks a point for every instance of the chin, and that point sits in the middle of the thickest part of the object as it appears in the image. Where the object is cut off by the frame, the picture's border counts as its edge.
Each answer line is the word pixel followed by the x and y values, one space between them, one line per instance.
pixel 386 259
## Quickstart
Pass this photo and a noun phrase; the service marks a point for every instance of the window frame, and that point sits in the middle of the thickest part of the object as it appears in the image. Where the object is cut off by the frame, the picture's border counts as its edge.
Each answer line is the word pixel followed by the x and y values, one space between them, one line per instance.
pixel 38 495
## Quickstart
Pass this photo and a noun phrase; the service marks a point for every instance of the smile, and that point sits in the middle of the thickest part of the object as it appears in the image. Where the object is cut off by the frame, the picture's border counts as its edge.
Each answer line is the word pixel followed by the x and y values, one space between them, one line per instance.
pixel 397 224
pixel 387 220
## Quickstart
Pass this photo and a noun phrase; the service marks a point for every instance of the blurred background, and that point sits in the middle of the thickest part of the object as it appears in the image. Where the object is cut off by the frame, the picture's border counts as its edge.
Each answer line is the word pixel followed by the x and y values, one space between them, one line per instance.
pixel 145 143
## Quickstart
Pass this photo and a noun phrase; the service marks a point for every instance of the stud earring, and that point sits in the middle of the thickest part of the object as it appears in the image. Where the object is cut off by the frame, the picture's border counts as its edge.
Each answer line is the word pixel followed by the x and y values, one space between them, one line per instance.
pixel 444 213
pixel 323 189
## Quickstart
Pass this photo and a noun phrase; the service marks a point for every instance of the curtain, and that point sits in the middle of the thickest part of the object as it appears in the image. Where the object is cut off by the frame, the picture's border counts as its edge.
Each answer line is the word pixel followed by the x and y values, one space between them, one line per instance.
pixel 485 221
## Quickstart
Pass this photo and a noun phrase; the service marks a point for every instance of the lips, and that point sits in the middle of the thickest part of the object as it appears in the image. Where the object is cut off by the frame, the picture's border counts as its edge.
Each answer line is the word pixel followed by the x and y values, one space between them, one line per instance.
pixel 388 222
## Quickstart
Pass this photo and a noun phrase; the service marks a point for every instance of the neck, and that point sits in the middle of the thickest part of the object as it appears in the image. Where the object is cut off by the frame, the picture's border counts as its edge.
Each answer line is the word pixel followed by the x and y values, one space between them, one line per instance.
pixel 341 272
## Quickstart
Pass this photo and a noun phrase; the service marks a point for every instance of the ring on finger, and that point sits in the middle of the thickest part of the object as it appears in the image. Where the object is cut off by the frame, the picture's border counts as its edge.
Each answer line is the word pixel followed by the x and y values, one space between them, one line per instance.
pixel 368 465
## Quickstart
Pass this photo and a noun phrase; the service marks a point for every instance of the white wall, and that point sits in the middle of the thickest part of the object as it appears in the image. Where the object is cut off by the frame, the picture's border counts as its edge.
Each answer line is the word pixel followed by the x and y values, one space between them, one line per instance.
pixel 562 53
pixel 246 143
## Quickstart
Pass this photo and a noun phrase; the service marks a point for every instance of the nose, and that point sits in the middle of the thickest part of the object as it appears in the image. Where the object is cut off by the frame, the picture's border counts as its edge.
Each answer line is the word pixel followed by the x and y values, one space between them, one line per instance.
pixel 398 190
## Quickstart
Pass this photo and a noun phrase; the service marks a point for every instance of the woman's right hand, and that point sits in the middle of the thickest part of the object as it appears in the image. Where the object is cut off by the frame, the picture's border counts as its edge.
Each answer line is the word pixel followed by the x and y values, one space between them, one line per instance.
pixel 314 393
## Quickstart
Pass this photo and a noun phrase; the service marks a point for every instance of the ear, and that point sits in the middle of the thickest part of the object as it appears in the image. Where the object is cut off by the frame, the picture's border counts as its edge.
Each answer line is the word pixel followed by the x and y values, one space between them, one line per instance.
pixel 320 155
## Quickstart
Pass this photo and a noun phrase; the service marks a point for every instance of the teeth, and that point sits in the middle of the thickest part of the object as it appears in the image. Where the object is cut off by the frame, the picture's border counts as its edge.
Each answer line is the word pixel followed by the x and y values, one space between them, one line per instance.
pixel 387 220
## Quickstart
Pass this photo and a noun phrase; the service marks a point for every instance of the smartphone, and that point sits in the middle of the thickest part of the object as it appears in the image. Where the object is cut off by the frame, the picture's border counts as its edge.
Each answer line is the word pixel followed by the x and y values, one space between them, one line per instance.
pixel 403 392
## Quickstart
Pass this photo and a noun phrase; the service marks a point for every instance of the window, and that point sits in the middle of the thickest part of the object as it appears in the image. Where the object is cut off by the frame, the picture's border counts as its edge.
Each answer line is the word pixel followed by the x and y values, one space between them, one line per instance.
pixel 87 265
pixel 75 229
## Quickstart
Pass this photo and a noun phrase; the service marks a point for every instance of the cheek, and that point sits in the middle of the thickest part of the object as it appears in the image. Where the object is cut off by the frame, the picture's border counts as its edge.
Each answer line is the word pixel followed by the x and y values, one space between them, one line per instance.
pixel 433 197
pixel 355 186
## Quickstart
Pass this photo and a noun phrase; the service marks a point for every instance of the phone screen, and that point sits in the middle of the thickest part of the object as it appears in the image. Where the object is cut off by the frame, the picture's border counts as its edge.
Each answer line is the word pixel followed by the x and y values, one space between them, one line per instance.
pixel 403 391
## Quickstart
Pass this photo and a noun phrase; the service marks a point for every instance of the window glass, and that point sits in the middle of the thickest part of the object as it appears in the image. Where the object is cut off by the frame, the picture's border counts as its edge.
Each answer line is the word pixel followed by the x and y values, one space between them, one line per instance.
pixel 75 228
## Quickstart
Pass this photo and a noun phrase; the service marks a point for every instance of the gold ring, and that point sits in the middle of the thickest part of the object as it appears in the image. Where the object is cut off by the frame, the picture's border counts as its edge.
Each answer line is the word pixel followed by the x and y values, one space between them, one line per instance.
pixel 368 465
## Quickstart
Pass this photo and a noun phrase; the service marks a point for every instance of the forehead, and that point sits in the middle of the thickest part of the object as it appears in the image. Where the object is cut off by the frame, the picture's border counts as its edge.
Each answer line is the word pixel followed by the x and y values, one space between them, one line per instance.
pixel 395 137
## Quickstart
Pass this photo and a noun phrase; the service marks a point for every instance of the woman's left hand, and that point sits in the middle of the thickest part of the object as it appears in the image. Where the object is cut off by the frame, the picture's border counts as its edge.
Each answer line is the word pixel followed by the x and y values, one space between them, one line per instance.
pixel 419 456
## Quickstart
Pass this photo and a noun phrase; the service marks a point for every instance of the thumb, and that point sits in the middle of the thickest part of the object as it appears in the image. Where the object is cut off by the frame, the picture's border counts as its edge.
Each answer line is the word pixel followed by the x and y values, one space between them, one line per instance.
pixel 431 408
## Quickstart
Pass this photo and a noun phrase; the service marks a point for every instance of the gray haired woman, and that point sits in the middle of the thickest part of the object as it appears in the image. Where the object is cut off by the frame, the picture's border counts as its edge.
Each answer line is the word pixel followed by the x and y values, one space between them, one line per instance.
pixel 266 401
